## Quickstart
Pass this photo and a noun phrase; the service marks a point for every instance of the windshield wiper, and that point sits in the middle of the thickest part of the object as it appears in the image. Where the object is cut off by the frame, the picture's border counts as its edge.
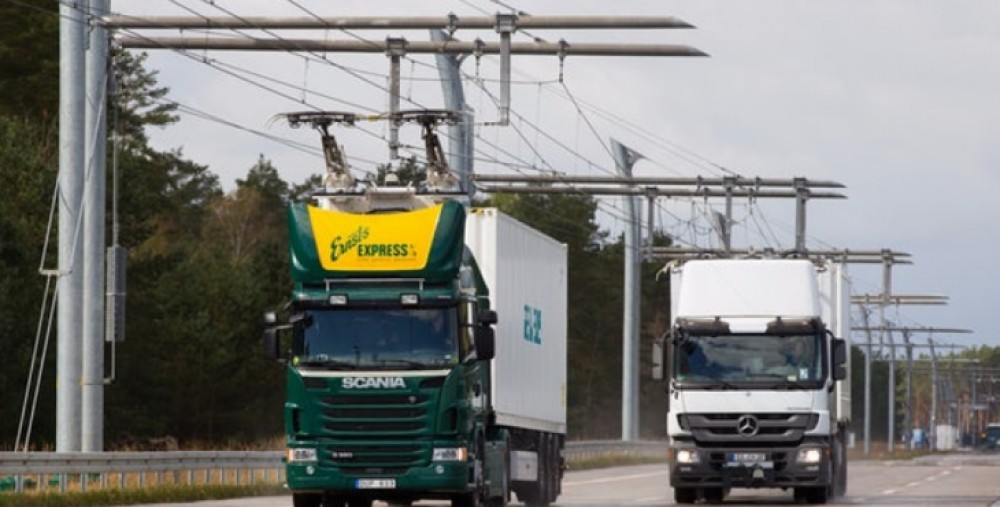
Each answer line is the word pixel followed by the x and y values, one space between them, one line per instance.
pixel 413 365
pixel 330 364
pixel 710 385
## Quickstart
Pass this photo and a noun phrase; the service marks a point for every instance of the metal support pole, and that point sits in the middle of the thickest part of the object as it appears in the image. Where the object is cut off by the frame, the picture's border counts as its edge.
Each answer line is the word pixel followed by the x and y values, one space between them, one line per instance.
pixel 650 222
pixel 396 50
pixel 973 412
pixel 932 431
pixel 908 417
pixel 460 135
pixel 887 259
pixel 71 172
pixel 891 442
pixel 866 312
pixel 624 160
pixel 97 73
pixel 727 227
pixel 802 195
pixel 506 25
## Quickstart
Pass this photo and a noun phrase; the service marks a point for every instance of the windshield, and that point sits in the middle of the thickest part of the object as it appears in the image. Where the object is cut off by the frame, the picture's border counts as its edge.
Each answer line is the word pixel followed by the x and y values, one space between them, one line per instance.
pixel 383 338
pixel 789 360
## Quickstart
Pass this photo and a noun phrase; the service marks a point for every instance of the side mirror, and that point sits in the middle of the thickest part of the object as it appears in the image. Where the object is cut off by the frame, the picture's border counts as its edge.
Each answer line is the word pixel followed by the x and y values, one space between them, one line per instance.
pixel 271 350
pixel 658 359
pixel 485 343
pixel 839 359
pixel 486 317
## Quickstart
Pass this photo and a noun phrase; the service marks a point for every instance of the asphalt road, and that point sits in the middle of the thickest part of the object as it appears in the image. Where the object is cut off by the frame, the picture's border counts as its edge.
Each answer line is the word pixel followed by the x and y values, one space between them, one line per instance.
pixel 954 480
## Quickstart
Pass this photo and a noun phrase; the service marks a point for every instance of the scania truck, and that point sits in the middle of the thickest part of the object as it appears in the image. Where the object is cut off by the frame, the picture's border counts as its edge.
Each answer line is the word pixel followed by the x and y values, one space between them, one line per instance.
pixel 757 370
pixel 426 344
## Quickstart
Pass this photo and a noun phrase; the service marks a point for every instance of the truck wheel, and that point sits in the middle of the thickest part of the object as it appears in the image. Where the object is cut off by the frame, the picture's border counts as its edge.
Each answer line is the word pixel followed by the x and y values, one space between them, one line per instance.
pixel 333 501
pixel 306 499
pixel 714 495
pixel 359 503
pixel 685 495
pixel 466 500
pixel 812 495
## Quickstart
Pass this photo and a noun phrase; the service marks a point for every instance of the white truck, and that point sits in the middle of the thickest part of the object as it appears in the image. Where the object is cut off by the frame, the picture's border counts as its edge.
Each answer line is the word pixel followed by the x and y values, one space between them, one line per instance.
pixel 758 377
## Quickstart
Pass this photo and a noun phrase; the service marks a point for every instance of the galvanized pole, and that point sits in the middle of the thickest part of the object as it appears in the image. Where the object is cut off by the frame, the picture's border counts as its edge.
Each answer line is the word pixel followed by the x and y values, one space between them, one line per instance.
pixel 868 381
pixel 395 49
pixel 506 25
pixel 908 417
pixel 727 229
pixel 892 393
pixel 802 196
pixel 460 136
pixel 71 169
pixel 887 259
pixel 932 431
pixel 93 237
pixel 624 160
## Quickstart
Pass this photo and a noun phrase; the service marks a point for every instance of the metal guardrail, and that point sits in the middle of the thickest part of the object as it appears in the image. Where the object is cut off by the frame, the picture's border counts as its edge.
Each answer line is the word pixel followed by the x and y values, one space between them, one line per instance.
pixel 60 470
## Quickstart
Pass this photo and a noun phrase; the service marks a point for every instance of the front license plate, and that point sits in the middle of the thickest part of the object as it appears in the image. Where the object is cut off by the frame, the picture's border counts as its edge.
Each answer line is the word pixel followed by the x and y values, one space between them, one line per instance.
pixel 375 483
pixel 749 459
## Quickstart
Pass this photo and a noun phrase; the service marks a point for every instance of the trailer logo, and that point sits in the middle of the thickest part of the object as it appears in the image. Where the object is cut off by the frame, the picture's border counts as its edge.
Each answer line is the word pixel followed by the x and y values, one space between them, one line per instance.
pixel 747 425
pixel 373 242
pixel 533 324
pixel 339 246
pixel 372 383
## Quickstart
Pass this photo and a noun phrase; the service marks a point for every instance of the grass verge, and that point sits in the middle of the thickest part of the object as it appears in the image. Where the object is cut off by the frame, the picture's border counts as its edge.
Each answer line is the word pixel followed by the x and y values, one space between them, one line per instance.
pixel 158 494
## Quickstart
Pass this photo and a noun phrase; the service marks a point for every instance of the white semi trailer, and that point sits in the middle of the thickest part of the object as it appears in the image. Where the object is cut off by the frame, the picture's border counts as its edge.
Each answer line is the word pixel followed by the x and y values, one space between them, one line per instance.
pixel 758 379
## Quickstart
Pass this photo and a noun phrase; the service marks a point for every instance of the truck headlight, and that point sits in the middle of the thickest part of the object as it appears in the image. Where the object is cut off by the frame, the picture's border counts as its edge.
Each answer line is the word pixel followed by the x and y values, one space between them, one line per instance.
pixel 450 454
pixel 687 457
pixel 301 454
pixel 809 456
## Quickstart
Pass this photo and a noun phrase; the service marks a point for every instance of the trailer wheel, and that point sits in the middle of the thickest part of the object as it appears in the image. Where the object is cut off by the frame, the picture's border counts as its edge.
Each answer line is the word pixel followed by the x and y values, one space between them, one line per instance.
pixel 685 495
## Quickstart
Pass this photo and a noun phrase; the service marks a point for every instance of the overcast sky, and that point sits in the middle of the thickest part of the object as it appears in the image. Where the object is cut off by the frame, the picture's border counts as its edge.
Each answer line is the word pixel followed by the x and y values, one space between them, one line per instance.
pixel 896 99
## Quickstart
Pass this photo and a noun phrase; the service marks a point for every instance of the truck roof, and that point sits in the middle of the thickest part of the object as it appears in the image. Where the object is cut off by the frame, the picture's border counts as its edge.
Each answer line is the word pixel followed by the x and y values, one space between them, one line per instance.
pixel 751 291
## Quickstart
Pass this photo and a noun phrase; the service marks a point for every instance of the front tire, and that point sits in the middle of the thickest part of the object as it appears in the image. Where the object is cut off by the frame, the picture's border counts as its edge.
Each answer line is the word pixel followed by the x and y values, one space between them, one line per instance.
pixel 685 495
pixel 307 499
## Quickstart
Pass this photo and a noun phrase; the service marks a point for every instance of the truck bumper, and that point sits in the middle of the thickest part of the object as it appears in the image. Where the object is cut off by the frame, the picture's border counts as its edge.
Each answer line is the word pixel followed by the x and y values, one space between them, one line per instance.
pixel 780 468
pixel 435 480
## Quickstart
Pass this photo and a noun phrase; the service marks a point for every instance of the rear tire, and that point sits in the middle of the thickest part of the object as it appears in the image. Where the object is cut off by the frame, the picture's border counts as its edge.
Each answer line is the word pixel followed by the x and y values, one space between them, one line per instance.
pixel 685 495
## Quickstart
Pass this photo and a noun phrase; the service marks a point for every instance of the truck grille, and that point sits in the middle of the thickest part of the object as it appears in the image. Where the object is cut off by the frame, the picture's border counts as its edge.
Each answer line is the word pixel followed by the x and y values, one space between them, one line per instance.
pixel 724 429
pixel 376 433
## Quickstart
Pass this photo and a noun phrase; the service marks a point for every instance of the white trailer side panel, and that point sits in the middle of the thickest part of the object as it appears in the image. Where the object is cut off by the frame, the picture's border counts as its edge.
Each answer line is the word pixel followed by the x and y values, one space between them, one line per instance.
pixel 526 273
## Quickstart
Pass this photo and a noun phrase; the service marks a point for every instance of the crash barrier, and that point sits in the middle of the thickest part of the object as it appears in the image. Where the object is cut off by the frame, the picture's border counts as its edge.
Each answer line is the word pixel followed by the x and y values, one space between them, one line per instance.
pixel 53 471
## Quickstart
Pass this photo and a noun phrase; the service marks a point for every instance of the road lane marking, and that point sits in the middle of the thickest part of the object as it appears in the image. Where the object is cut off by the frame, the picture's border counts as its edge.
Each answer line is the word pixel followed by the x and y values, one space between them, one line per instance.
pixel 889 492
pixel 615 479
pixel 913 484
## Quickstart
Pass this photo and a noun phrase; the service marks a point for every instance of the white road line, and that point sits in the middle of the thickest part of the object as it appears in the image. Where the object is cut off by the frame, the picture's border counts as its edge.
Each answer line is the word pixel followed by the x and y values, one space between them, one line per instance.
pixel 889 492
pixel 913 484
pixel 615 479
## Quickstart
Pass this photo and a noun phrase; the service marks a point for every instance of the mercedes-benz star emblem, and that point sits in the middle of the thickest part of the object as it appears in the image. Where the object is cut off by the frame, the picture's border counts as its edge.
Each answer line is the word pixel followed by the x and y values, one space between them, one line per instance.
pixel 747 425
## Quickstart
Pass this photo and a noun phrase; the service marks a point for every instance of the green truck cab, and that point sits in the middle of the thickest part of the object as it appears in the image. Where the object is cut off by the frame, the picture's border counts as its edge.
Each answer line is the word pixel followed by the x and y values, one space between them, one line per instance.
pixel 387 348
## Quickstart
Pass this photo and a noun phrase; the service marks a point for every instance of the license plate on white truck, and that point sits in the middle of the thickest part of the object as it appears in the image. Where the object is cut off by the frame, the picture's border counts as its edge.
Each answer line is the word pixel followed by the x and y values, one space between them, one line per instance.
pixel 375 484
pixel 748 459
